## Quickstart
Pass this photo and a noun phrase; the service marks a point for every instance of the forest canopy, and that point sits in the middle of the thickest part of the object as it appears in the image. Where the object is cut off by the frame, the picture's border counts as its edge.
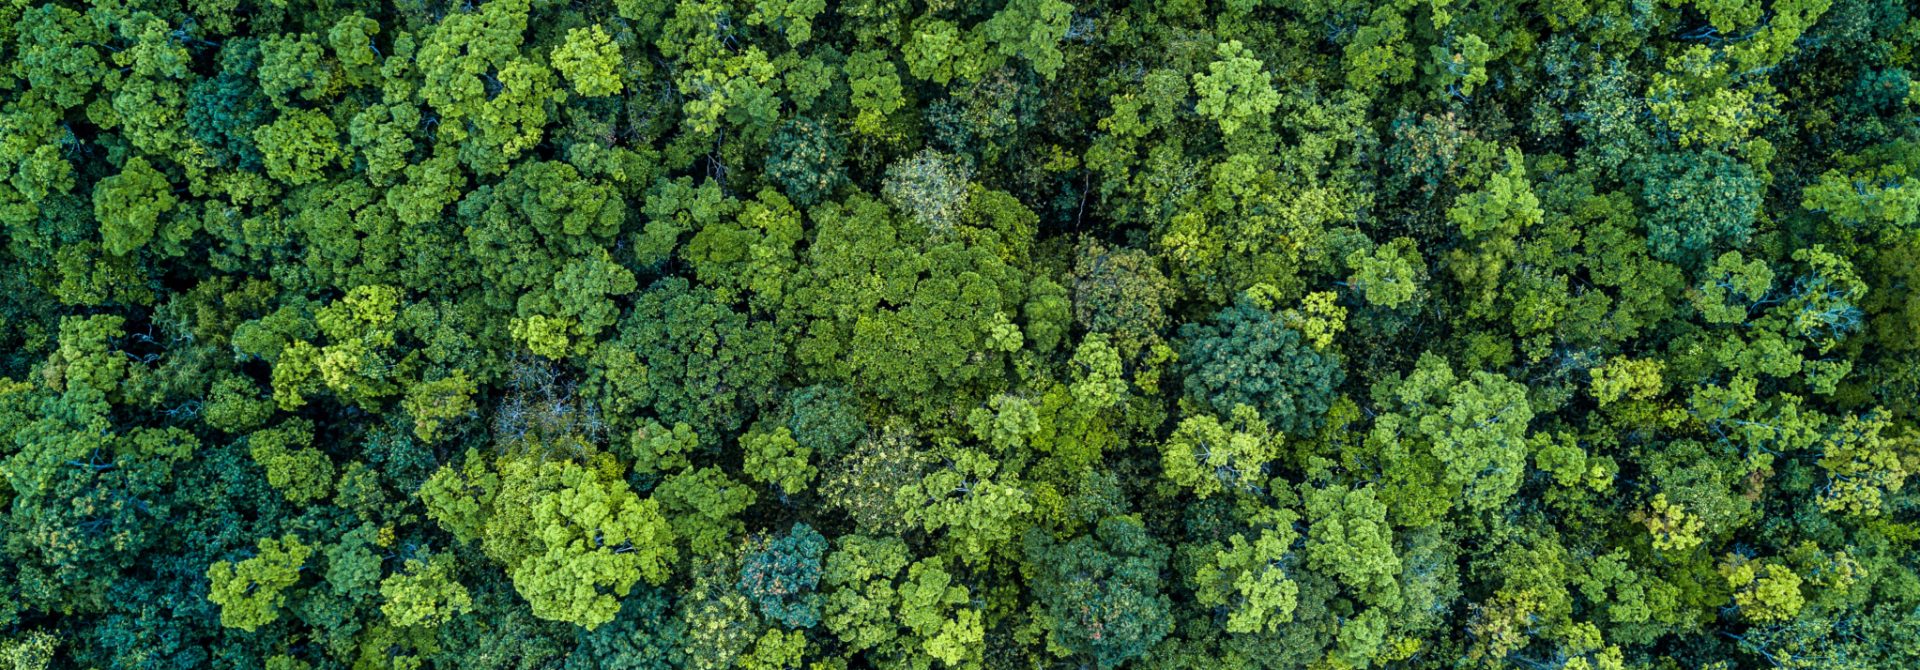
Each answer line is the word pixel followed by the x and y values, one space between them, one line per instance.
pixel 935 335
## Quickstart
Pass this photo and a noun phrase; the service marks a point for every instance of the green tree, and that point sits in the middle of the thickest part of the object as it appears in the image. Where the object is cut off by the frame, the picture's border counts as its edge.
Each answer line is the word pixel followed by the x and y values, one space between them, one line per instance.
pixel 1249 577
pixel 494 101
pixel 1101 592
pixel 1122 292
pixel 881 602
pixel 589 60
pixel 1209 457
pixel 824 419
pixel 301 473
pixel 1875 189
pixel 423 592
pixel 876 90
pixel 1699 204
pixel 979 508
pixel 129 205
pixel 1388 276
pixel 686 357
pixel 574 539
pixel 773 457
pixel 1246 355
pixel 780 574
pixel 1348 537
pixel 806 159
pixel 1236 90
pixel 1030 30
pixel 1458 439
pixel 703 506
pixel 251 592
pixel 298 146
pixel 930 187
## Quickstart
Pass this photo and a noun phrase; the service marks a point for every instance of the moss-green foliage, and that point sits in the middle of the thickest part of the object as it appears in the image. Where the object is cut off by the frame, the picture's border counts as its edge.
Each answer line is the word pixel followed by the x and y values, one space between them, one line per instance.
pixel 916 334
pixel 250 592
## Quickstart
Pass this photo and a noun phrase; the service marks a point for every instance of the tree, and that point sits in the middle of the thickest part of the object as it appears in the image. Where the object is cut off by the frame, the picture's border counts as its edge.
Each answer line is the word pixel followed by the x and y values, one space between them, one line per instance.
pixel 301 473
pixel 129 205
pixel 774 458
pixel 688 358
pixel 296 63
pixel 539 240
pixel 58 54
pixel 867 483
pixel 1235 91
pixel 1765 591
pixel 1101 592
pixel 645 636
pixel 876 90
pixel 574 539
pixel 424 593
pixel 1030 30
pixel 751 256
pixel 1863 467
pixel 1121 292
pixel 720 622
pixel 1248 576
pixel 298 146
pixel 656 449
pixel 861 595
pixel 1209 457
pixel 824 419
pixel 1700 204
pixel 1246 355
pixel 1390 275
pixel 979 511
pixel 1876 189
pixel 358 361
pixel 930 187
pixel 779 574
pixel 1473 430
pixel 589 60
pixel 593 534
pixel 435 403
pixel 251 592
pixel 870 301
pixel 702 505
pixel 806 160
pixel 494 101
pixel 1348 537
pixel 1492 217
pixel 880 602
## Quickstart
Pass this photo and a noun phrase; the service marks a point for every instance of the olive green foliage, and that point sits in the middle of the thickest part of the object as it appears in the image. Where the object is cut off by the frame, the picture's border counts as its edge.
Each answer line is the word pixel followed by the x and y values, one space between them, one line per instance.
pixel 937 335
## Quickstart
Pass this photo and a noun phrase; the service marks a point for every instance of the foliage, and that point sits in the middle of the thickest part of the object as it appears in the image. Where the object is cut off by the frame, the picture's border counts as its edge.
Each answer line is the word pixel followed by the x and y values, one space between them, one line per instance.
pixel 781 573
pixel 251 592
pixel 1101 591
pixel 774 334
pixel 1246 355
pixel 589 60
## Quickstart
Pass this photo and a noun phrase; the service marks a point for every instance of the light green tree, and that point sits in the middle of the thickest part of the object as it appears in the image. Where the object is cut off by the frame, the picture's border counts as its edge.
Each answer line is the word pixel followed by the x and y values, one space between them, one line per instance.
pixel 589 60
pixel 1235 90
pixel 424 592
pixel 129 205
pixel 251 592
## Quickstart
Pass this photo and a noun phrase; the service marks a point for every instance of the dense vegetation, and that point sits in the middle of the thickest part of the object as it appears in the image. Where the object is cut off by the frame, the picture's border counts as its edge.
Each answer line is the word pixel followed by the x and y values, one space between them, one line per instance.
pixel 923 334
